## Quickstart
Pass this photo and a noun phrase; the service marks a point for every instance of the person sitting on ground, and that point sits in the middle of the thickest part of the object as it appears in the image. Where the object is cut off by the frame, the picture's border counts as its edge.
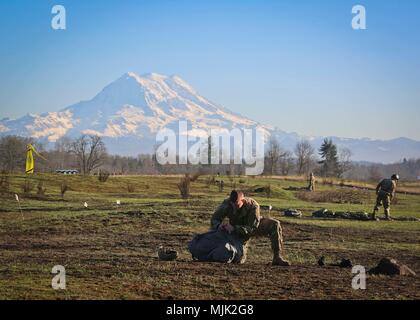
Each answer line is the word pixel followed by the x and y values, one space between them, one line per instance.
pixel 246 222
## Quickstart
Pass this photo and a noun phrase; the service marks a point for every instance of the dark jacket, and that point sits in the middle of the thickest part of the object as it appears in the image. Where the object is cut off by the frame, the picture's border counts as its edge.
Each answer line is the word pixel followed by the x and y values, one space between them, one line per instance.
pixel 386 187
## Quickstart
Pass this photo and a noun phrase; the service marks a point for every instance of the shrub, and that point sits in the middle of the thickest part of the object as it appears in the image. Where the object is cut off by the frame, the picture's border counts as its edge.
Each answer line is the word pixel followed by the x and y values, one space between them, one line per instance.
pixel 184 186
pixel 221 185
pixel 130 187
pixel 63 189
pixel 41 188
pixel 4 184
pixel 27 187
pixel 103 176
pixel 268 191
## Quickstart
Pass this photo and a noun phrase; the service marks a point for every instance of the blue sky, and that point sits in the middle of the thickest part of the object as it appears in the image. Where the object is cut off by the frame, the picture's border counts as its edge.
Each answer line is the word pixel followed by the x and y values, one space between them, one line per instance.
pixel 297 65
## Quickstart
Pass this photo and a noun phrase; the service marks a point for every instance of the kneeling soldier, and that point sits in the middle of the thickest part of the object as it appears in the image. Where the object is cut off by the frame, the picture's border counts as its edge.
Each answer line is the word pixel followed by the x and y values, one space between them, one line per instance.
pixel 246 222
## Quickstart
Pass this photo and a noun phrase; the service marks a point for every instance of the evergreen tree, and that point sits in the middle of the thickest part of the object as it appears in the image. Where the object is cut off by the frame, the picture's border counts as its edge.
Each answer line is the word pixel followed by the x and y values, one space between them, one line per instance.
pixel 330 165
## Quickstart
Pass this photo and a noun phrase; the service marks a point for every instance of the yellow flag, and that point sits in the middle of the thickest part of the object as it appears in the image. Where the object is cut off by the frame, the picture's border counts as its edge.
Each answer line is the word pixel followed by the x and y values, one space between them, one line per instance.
pixel 30 164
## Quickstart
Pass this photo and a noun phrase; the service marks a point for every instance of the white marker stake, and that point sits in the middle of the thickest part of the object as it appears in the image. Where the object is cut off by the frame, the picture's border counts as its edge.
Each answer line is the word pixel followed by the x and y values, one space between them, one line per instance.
pixel 17 199
pixel 118 205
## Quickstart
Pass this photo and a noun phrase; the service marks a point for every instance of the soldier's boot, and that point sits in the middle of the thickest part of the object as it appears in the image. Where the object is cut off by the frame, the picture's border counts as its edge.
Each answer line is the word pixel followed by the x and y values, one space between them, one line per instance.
pixel 277 246
pixel 278 260
pixel 374 214
pixel 271 228
pixel 387 215
pixel 244 254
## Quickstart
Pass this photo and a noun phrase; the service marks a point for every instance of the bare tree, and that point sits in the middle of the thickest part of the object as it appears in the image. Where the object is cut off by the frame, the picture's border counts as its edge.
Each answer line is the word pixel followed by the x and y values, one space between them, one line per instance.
pixel 304 153
pixel 345 155
pixel 210 148
pixel 286 163
pixel 13 153
pixel 273 156
pixel 61 156
pixel 90 152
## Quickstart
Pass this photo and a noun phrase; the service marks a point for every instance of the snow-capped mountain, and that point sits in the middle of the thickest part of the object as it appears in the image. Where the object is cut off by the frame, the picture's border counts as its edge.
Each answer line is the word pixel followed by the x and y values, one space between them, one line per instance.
pixel 129 112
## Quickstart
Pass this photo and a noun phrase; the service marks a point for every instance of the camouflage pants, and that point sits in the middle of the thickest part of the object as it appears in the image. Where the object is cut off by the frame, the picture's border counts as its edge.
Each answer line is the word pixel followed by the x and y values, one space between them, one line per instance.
pixel 383 199
pixel 311 186
pixel 270 228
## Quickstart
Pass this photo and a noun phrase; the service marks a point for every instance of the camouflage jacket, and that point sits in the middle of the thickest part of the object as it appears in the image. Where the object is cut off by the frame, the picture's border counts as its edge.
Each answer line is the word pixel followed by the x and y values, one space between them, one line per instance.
pixel 387 186
pixel 244 220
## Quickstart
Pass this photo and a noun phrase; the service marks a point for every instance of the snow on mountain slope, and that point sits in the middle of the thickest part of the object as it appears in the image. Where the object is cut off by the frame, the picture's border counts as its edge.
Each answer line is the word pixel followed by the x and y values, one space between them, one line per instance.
pixel 141 105
pixel 51 125
pixel 128 113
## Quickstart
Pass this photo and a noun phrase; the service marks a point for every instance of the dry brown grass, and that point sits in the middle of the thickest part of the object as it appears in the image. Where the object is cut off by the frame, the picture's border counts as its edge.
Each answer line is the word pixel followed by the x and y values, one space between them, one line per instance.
pixel 110 252
pixel 336 196
pixel 409 187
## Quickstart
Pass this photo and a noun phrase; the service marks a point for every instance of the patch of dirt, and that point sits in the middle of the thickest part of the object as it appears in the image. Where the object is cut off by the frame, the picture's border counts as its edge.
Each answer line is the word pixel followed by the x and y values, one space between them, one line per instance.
pixel 120 261
pixel 336 196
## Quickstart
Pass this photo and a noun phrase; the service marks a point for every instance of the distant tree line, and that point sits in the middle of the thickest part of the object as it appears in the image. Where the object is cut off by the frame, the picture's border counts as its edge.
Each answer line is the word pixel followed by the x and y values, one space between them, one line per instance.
pixel 88 155
pixel 303 160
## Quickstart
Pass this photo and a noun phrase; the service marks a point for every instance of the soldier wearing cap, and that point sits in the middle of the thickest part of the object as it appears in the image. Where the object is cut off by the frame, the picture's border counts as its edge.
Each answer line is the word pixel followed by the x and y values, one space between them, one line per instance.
pixel 385 192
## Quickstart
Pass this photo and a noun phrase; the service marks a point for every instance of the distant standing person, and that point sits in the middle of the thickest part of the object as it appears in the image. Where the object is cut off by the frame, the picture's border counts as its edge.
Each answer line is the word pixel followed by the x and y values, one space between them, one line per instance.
pixel 385 192
pixel 311 186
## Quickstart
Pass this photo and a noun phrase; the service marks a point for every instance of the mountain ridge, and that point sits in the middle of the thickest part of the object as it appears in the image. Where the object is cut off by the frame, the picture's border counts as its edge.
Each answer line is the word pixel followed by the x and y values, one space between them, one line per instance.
pixel 131 109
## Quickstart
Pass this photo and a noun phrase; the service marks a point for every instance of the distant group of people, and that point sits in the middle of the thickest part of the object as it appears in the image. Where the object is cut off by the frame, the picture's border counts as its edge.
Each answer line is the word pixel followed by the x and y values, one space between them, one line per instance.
pixel 246 222
pixel 385 192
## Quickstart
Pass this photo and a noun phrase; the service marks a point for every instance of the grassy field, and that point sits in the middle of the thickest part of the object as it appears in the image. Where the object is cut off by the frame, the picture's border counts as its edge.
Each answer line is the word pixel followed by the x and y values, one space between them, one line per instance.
pixel 110 251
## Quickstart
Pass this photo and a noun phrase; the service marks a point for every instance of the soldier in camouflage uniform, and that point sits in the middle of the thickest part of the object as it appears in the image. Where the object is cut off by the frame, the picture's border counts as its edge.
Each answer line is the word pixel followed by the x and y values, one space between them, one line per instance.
pixel 246 222
pixel 385 192
pixel 311 186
